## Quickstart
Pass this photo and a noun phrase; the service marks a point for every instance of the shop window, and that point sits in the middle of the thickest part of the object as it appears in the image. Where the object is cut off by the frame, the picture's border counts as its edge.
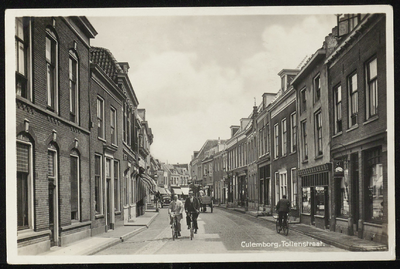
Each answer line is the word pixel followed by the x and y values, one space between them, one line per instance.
pixel 342 205
pixel 319 200
pixel 374 185
pixel 306 200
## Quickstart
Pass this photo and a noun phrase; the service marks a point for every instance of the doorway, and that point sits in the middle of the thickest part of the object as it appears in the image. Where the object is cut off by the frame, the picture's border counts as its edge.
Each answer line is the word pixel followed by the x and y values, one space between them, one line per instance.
pixel 53 216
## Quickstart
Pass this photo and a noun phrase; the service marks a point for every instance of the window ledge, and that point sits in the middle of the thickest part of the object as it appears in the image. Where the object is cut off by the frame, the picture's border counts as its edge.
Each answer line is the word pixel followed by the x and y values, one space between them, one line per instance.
pixel 338 134
pixel 75 225
pixel 117 212
pixel 101 139
pixel 304 161
pixel 342 218
pixel 372 119
pixel 306 214
pixel 292 153
pixel 319 157
pixel 378 225
pixel 99 216
pixel 352 128
pixel 30 233
pixel 319 216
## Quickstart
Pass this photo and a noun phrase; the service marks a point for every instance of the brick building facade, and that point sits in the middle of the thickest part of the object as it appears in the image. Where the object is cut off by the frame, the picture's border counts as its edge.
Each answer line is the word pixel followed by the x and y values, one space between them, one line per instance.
pixel 52 97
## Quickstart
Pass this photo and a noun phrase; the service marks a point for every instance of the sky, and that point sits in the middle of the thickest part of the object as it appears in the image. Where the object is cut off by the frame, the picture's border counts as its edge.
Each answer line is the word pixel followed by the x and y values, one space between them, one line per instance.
pixel 196 75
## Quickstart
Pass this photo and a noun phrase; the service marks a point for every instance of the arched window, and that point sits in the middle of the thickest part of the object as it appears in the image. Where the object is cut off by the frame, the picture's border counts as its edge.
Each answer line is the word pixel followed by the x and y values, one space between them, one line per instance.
pixel 75 185
pixel 24 183
pixel 52 69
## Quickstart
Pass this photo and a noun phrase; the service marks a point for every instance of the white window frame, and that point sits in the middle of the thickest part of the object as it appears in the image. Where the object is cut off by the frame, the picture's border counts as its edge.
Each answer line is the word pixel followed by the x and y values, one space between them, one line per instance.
pixel 52 104
pixel 304 140
pixel 337 92
pixel 284 137
pixel 353 99
pixel 293 133
pixel 74 111
pixel 100 192
pixel 73 155
pixel 26 41
pixel 117 206
pixel 113 125
pixel 30 200
pixel 303 100
pixel 294 191
pixel 318 134
pixel 100 101
pixel 316 98
pixel 374 80
pixel 283 190
pixel 276 140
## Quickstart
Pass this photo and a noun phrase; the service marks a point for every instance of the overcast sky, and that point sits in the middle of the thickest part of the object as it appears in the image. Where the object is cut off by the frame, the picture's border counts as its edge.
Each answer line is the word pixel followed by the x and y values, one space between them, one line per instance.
pixel 198 75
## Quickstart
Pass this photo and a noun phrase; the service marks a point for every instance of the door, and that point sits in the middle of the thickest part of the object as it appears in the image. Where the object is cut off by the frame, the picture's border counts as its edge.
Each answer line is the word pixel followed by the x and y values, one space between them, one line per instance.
pixel 356 190
pixel 53 215
pixel 109 204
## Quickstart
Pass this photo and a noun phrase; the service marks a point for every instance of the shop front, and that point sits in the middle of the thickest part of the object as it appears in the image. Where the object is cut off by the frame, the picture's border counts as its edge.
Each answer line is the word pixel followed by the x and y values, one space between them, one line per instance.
pixel 265 188
pixel 315 193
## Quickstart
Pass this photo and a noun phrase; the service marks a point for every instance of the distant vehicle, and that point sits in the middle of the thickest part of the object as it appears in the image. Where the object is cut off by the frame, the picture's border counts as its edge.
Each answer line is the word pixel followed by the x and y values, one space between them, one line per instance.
pixel 166 200
pixel 204 201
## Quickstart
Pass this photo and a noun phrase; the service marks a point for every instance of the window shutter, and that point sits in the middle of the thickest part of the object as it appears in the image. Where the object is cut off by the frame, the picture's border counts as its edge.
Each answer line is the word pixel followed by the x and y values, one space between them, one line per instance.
pixel 22 158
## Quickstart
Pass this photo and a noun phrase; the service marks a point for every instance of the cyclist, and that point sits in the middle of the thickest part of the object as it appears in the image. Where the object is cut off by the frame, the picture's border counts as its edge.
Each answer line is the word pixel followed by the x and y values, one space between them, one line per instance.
pixel 176 207
pixel 283 207
pixel 192 206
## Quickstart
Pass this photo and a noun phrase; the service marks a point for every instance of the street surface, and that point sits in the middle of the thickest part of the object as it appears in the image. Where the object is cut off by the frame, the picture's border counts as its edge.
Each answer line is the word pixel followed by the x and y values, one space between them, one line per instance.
pixel 222 231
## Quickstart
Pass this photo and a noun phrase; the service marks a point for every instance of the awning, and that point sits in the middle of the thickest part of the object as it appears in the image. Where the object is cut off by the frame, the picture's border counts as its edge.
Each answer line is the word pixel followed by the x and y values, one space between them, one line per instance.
pixel 149 182
pixel 177 190
pixel 185 190
pixel 162 190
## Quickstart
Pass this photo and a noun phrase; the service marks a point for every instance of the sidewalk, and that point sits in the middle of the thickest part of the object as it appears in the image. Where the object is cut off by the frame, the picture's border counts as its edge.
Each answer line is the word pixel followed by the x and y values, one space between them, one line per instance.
pixel 97 243
pixel 339 240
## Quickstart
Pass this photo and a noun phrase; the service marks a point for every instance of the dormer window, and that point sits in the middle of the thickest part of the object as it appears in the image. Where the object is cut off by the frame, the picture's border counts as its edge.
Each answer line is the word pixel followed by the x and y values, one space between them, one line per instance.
pixel 347 22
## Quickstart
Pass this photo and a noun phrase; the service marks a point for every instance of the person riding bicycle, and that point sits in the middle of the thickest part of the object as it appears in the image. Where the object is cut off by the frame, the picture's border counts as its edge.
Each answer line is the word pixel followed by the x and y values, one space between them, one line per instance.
pixel 176 209
pixel 192 206
pixel 283 207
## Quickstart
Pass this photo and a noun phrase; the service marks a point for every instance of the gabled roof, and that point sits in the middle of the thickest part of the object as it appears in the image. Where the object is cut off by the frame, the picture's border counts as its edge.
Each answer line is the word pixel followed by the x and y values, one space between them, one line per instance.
pixel 104 58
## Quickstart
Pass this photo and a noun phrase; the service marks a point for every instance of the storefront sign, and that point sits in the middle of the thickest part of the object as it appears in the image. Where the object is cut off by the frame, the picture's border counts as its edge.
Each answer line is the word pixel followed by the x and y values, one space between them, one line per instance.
pixel 338 169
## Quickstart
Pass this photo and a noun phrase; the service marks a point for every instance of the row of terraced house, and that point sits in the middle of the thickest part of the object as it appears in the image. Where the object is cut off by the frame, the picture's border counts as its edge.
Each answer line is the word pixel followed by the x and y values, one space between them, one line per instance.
pixel 82 143
pixel 321 140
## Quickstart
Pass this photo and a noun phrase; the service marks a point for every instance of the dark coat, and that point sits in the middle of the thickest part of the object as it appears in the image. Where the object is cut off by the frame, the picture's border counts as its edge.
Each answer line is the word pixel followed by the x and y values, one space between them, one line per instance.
pixel 283 205
pixel 192 207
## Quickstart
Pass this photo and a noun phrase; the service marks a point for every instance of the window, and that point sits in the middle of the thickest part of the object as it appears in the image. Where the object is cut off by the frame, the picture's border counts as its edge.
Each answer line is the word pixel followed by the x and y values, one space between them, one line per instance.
pixel 113 129
pixel 100 117
pixel 52 70
pixel 372 88
pixel 317 89
pixel 24 185
pixel 374 185
pixel 304 140
pixel 347 22
pixel 306 200
pixel 283 184
pixel 276 140
pixel 21 56
pixel 124 123
pixel 293 177
pixel 303 100
pixel 353 99
pixel 318 133
pixel 320 200
pixel 73 87
pixel 75 188
pixel 98 186
pixel 338 108
pixel 267 136
pixel 284 137
pixel 293 127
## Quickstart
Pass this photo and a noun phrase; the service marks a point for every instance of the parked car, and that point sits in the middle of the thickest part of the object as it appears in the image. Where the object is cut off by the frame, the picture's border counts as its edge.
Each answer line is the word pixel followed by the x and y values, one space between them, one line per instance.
pixel 166 200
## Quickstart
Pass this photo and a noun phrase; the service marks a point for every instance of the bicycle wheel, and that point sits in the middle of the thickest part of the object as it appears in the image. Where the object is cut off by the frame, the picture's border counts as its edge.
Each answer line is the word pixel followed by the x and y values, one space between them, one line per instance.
pixel 286 229
pixel 277 227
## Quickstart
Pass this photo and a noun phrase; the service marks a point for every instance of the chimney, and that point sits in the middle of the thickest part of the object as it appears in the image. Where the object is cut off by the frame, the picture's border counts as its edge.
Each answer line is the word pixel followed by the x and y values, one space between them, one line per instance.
pixel 124 66
pixel 234 129
pixel 267 98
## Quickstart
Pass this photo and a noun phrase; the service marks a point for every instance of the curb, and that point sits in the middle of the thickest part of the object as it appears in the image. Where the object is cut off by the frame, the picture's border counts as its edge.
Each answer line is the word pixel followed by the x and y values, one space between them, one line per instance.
pixel 327 241
pixel 121 239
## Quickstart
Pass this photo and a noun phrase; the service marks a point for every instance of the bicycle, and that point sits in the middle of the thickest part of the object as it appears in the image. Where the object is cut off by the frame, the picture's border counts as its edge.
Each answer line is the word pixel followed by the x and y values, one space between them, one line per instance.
pixel 173 226
pixel 285 224
pixel 191 226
